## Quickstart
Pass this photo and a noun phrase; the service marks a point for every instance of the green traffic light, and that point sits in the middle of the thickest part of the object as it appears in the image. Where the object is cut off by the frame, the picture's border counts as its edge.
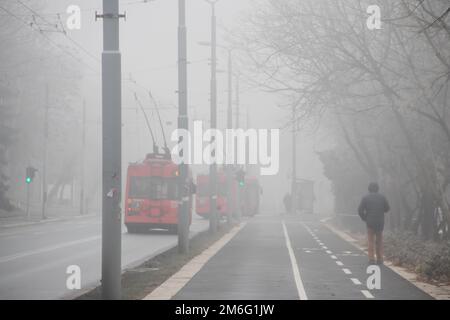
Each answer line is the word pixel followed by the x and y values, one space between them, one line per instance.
pixel 241 183
pixel 28 180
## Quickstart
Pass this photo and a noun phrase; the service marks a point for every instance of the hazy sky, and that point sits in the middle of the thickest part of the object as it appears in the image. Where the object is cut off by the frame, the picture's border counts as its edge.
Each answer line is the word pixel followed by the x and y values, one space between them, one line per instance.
pixel 149 55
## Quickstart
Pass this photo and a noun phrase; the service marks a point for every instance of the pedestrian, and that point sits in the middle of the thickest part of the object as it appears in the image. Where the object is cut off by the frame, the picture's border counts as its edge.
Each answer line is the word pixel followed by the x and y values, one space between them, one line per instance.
pixel 287 200
pixel 371 210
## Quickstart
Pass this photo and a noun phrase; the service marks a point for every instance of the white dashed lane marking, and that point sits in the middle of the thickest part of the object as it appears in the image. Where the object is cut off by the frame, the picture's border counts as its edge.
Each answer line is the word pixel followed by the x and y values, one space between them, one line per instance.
pixel 346 271
pixel 367 294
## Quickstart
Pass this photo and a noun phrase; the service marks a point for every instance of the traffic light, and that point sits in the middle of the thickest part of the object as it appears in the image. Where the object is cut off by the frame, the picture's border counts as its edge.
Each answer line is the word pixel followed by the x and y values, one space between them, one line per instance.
pixel 29 175
pixel 240 177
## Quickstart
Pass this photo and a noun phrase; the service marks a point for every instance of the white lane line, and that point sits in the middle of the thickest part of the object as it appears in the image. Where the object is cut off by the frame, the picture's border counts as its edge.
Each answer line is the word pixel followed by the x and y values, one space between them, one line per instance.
pixel 339 263
pixel 355 281
pixel 46 249
pixel 323 247
pixel 367 294
pixel 346 271
pixel 7 235
pixel 329 252
pixel 333 257
pixel 297 277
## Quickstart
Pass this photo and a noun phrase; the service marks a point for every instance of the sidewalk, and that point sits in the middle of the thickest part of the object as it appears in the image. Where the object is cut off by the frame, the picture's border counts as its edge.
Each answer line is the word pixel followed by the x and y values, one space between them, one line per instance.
pixel 254 264
pixel 284 258
pixel 18 218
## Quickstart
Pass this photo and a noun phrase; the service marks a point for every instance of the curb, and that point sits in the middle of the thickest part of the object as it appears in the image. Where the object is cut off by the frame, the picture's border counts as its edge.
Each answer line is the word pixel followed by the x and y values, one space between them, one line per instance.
pixel 91 286
pixel 437 292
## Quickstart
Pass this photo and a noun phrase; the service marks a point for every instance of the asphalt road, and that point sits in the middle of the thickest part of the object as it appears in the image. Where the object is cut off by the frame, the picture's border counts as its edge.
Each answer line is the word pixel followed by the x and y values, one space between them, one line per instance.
pixel 34 259
pixel 292 258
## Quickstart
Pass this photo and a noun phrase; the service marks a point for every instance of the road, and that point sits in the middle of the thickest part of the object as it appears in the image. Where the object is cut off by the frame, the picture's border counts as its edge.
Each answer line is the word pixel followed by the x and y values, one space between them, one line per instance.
pixel 292 258
pixel 34 259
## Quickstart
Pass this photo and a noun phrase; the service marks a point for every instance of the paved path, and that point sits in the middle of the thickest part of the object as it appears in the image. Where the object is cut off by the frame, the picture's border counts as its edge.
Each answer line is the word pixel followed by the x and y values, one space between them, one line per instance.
pixel 291 258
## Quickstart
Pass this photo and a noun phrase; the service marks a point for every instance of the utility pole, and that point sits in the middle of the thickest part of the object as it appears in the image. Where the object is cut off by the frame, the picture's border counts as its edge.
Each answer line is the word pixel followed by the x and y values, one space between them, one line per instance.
pixel 230 91
pixel 111 154
pixel 44 156
pixel 294 161
pixel 28 201
pixel 213 222
pixel 183 123
pixel 83 156
pixel 237 125
pixel 237 102
pixel 230 126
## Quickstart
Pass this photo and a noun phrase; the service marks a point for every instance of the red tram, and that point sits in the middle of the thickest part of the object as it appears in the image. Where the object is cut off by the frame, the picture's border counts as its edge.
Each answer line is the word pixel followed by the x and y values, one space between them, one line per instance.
pixel 152 195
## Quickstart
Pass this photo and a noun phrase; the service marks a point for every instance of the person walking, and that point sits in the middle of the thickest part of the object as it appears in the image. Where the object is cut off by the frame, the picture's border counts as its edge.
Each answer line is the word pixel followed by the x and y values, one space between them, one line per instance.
pixel 287 200
pixel 372 208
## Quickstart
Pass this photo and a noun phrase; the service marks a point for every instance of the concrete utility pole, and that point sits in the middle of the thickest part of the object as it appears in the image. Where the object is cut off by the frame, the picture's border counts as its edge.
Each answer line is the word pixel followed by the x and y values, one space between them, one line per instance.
pixel 294 161
pixel 237 102
pixel 230 91
pixel 112 145
pixel 237 125
pixel 44 155
pixel 213 222
pixel 228 168
pixel 28 201
pixel 83 156
pixel 183 123
pixel 230 126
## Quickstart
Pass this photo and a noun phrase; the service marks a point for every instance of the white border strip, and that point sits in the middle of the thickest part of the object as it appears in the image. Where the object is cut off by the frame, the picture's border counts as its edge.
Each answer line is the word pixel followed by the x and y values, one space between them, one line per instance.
pixel 297 277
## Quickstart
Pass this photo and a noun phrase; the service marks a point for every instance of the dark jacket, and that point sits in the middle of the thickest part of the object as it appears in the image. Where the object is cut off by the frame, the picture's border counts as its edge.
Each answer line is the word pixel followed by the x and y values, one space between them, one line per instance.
pixel 372 209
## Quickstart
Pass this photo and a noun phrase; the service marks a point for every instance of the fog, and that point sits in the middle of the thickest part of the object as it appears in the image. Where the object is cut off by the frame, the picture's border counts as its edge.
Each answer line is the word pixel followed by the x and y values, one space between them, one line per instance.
pixel 148 41
pixel 365 96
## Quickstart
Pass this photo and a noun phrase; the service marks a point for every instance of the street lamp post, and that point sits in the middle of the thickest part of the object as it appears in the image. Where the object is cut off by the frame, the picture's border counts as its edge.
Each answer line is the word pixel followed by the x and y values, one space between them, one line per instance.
pixel 112 149
pixel 45 153
pixel 237 126
pixel 213 222
pixel 229 168
pixel 294 161
pixel 83 156
pixel 229 126
pixel 183 123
